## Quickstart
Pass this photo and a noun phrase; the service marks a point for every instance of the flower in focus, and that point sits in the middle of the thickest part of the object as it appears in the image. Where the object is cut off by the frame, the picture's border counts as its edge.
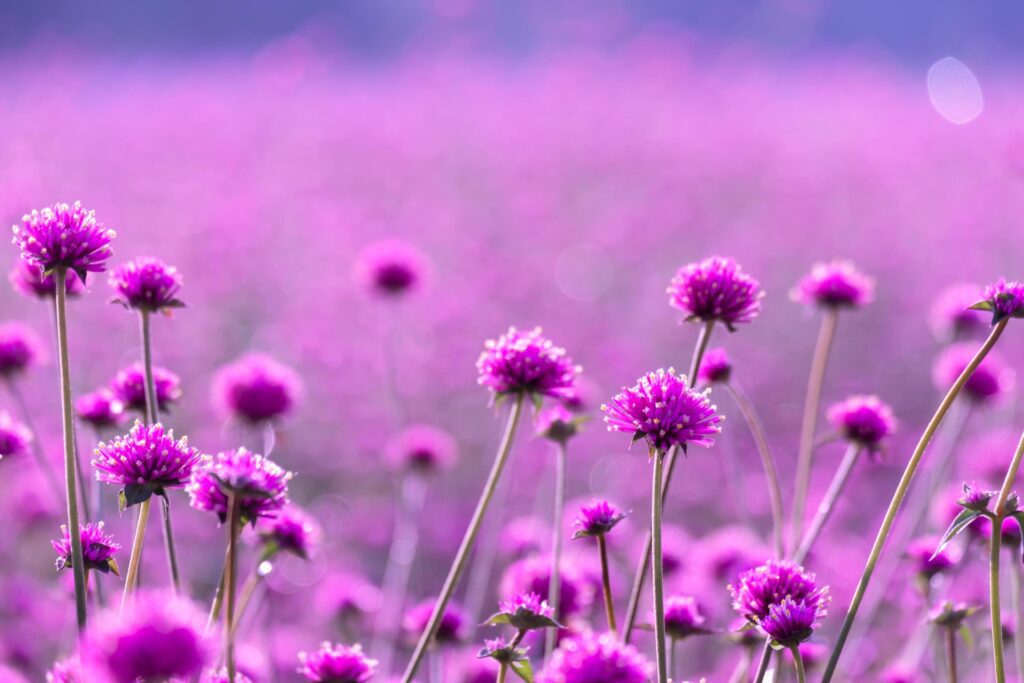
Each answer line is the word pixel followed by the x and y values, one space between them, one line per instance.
pixel 28 280
pixel 952 317
pixel 533 575
pixel 63 236
pixel 101 409
pixel 256 388
pixel 292 530
pixel 992 379
pixel 65 671
pixel 145 461
pixel 337 664
pixel 129 386
pixel 449 632
pixel 683 617
pixel 557 423
pixel 592 658
pixel 596 518
pixel 715 367
pixel 662 409
pixel 20 349
pixel 1004 299
pixel 525 612
pixel 391 267
pixel 14 436
pixel 221 676
pixel 716 289
pixel 421 448
pixel 526 363
pixel 757 589
pixel 259 485
pixel 147 284
pixel 98 549
pixel 791 622
pixel 863 420
pixel 837 284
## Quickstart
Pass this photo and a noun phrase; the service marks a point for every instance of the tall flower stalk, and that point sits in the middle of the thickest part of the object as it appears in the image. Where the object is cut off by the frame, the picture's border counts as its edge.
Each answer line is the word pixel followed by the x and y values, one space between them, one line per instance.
pixel 1005 506
pixel 596 520
pixel 828 502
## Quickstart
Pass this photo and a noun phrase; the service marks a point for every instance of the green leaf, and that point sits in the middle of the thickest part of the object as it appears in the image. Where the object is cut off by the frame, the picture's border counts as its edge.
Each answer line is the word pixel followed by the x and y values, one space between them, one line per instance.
pixel 965 633
pixel 962 521
pixel 112 567
pixel 538 400
pixel 523 669
pixel 497 619
pixel 981 306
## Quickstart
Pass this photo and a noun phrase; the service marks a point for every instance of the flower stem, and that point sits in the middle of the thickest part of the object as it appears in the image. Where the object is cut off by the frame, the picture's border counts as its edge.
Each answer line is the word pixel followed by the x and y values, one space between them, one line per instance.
pixel 949 635
pixel 229 585
pixel 632 607
pixel 658 573
pixel 606 583
pixel 70 458
pixel 502 672
pixel 1017 595
pixel 742 670
pixel 812 403
pixel 555 586
pixel 673 658
pixel 835 489
pixel 999 512
pixel 798 660
pixel 172 556
pixel 468 541
pixel 245 597
pixel 771 474
pixel 764 663
pixel 901 492
pixel 218 597
pixel 131 577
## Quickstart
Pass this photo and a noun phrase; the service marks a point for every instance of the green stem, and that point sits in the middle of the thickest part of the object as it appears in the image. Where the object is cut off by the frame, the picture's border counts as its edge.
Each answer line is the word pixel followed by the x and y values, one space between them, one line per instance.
pixel 1017 595
pixel 248 590
pixel 172 556
pixel 658 573
pixel 742 670
pixel 606 583
pixel 229 585
pixel 502 672
pixel 798 660
pixel 901 492
pixel 131 577
pixel 468 541
pixel 835 489
pixel 764 663
pixel 555 585
pixel 994 608
pixel 218 597
pixel 949 635
pixel 673 658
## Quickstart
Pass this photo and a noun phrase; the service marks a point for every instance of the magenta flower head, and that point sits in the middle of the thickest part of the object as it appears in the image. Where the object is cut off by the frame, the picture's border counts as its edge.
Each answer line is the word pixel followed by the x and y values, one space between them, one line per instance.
pixel 337 664
pixel 683 617
pixel 992 379
pixel 65 671
pixel 391 268
pixel 791 622
pixel 524 612
pixel 28 280
pixel 259 485
pixel 293 530
pixel 422 449
pixel 63 236
pixel 533 575
pixel 757 589
pixel 147 284
pixel 559 424
pixel 159 637
pixel 98 549
pixel 925 561
pixel 715 367
pixel 863 420
pixel 716 290
pixel 1003 299
pixel 526 363
pixel 14 436
pixel 256 388
pixel 596 518
pixel 129 385
pixel 952 317
pixel 451 630
pixel 662 409
pixel 975 498
pixel 834 285
pixel 592 658
pixel 101 409
pixel 145 461
pixel 20 349
pixel 221 676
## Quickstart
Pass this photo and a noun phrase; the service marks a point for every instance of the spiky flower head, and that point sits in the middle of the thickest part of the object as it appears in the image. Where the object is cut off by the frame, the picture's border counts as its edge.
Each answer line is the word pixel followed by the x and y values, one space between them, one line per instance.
pixel 952 317
pixel 500 650
pixel 716 290
pixel 526 363
pixel 334 663
pixel 557 423
pixel 863 420
pixel 14 436
pixel 715 367
pixel 147 284
pixel 992 379
pixel 65 671
pixel 662 409
pixel 533 575
pixel 683 617
pixel 391 268
pixel 596 518
pixel 292 530
pixel 791 622
pixel 259 485
pixel 100 408
pixel 975 498
pixel 20 349
pixel 1003 299
pixel 421 448
pixel 145 461
pixel 525 612
pixel 837 284
pixel 98 548
pixel 593 658
pixel 757 589
pixel 451 630
pixel 221 676
pixel 129 386
pixel 64 236
pixel 28 280
pixel 256 388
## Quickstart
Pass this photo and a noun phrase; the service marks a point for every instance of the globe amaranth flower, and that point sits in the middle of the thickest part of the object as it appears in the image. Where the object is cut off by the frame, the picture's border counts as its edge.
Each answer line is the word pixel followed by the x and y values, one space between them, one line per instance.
pixel 14 436
pixel 158 637
pixel 975 498
pixel 715 367
pixel 451 630
pixel 525 612
pixel 391 268
pixel 101 409
pixel 533 575
pixel 129 386
pixel 28 280
pixel 145 461
pixel 837 284
pixel 334 663
pixel 716 290
pixel 259 485
pixel 147 284
pixel 757 589
pixel 863 420
pixel 526 363
pixel 662 409
pixel 421 448
pixel 992 379
pixel 20 349
pixel 292 530
pixel 98 549
pixel 951 615
pixel 256 388
pixel 596 518
pixel 791 622
pixel 221 676
pixel 952 317
pixel 592 658
pixel 65 671
pixel 557 423
pixel 683 617
pixel 925 561
pixel 63 236
pixel 1004 299
pixel 347 596
pixel 500 650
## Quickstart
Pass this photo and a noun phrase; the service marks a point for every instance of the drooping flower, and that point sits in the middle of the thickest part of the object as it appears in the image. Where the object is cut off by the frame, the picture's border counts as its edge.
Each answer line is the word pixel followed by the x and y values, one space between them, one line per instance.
pixel 256 388
pixel 683 617
pixel 221 676
pixel 14 436
pixel 27 279
pixel 259 484
pixel 20 349
pixel 63 236
pixel 663 410
pixel 533 575
pixel 596 518
pixel 147 284
pixel 101 409
pixel 528 363
pixel 757 589
pixel 592 658
pixel 145 461
pixel 992 379
pixel 716 289
pixel 952 317
pixel 292 530
pixel 391 268
pixel 129 386
pixel 1004 299
pixel 715 367
pixel 65 671
pixel 451 630
pixel 791 622
pixel 98 548
pixel 421 448
pixel 837 284
pixel 334 663
pixel 863 420
pixel 557 423
pixel 525 612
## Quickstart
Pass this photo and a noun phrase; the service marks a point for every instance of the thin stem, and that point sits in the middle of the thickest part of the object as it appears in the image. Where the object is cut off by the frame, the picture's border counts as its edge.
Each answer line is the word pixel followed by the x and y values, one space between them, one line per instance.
pixel 555 585
pixel 949 635
pixel 245 596
pixel 771 474
pixel 229 585
pixel 764 662
pixel 673 658
pixel 995 545
pixel 658 572
pixel 835 489
pixel 606 583
pixel 1017 595
pixel 45 467
pixel 742 670
pixel 218 597
pixel 901 492
pixel 131 577
pixel 633 606
pixel 172 556
pixel 502 672
pixel 468 541
pixel 70 459
pixel 798 660
pixel 812 403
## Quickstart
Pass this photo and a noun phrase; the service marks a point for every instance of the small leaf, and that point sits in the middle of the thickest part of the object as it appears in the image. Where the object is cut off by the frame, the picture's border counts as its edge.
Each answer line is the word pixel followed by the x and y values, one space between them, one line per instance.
pixel 62 562
pixel 497 619
pixel 523 669
pixel 965 633
pixel 538 400
pixel 981 306
pixel 962 521
pixel 112 567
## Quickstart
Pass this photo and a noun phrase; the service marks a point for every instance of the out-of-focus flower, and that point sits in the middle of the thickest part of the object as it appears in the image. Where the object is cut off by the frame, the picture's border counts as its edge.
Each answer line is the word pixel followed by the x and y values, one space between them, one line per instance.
pixel 992 379
pixel 256 388
pixel 527 363
pixel 14 436
pixel 1004 299
pixel 391 268
pixel 592 658
pixel 663 410
pixel 524 612
pixel 524 536
pixel 683 617
pixel 221 676
pixel 557 423
pixel 533 575
pixel 975 498
pixel 147 284
pixel 596 518
pixel 863 420
pixel 952 317
pixel 63 236
pixel 951 615
pixel 334 663
pixel 791 622
pixel 756 590
pixel 837 284
pixel 347 596
pixel 101 409
pixel 421 448
pixel 715 367
pixel 729 551
pixel 716 290
pixel 27 279
pixel 259 484
pixel 925 561
pixel 501 650
pixel 20 349
pixel 98 548
pixel 145 461
pixel 65 671
pixel 129 385
pixel 451 630
pixel 292 530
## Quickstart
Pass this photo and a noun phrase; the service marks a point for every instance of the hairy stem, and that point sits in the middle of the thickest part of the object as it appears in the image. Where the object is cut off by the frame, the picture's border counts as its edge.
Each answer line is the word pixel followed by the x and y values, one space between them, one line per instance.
pixel 555 586
pixel 606 583
pixel 835 489
pixel 658 574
